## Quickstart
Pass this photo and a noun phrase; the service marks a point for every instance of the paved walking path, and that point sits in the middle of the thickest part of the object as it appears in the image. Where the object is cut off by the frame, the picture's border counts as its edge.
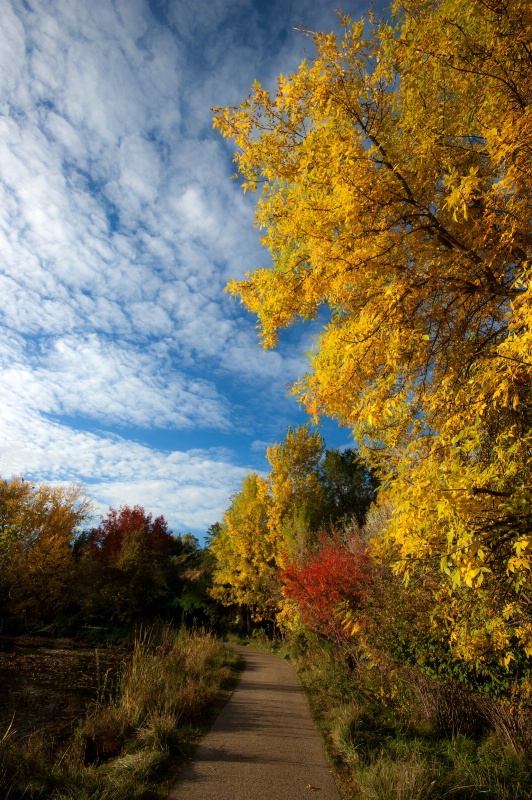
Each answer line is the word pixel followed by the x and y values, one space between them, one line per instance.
pixel 263 746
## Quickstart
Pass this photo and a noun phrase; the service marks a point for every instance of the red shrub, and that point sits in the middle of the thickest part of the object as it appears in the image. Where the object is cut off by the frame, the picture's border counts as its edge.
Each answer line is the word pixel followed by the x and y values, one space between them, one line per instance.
pixel 333 575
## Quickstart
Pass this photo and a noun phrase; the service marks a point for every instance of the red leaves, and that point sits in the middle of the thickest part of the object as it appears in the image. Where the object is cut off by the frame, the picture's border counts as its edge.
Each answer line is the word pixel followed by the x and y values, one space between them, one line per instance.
pixel 118 526
pixel 337 573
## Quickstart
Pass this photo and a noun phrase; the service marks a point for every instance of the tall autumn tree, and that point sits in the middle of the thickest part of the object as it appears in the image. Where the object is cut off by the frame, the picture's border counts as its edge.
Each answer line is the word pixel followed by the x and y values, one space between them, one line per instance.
pixel 296 492
pixel 246 553
pixel 38 525
pixel 119 526
pixel 395 179
pixel 128 549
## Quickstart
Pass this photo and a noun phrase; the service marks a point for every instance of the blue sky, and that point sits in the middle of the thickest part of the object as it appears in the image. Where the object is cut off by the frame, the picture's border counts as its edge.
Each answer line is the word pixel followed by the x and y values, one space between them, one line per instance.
pixel 123 365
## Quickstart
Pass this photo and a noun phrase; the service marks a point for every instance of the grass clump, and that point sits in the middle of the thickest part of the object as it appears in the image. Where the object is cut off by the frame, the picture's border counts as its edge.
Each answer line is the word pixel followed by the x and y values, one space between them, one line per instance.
pixel 132 746
pixel 384 746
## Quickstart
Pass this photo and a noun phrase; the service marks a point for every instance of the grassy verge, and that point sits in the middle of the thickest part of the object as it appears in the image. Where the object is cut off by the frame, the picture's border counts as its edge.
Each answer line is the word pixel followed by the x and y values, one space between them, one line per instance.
pixel 133 746
pixel 383 749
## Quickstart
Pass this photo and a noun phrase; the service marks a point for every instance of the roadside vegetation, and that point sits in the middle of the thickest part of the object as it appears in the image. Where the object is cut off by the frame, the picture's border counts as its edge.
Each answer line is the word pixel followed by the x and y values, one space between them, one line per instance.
pixel 392 733
pixel 127 581
pixel 132 745
pixel 401 716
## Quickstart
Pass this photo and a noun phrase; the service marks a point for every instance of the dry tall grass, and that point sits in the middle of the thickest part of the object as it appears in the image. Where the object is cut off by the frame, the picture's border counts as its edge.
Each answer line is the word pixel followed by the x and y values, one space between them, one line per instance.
pixel 398 738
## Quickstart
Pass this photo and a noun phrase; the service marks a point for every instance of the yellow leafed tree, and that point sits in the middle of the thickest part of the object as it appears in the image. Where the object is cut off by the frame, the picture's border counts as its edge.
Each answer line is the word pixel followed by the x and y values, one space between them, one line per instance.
pixel 269 519
pixel 246 553
pixel 38 525
pixel 296 494
pixel 394 173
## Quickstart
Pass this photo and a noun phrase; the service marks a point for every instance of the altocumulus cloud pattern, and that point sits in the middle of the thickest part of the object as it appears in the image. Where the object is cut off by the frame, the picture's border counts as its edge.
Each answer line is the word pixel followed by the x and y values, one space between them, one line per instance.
pixel 123 365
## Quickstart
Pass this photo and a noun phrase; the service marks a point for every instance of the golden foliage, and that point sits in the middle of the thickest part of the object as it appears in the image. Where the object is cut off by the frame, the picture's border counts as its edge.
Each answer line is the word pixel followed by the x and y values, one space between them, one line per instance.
pixel 268 520
pixel 38 525
pixel 246 552
pixel 295 490
pixel 395 178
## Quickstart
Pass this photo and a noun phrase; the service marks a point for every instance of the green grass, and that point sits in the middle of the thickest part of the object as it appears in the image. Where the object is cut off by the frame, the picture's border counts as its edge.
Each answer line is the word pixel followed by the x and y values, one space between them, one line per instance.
pixel 133 746
pixel 383 748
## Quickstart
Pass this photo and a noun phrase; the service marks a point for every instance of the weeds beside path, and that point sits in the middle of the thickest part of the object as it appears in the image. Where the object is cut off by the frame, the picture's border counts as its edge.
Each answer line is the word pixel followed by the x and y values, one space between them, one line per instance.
pixel 380 745
pixel 132 746
pixel 383 749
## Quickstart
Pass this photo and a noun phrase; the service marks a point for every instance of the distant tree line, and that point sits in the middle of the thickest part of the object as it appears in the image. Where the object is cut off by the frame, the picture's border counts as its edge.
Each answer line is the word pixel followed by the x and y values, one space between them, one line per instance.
pixel 128 569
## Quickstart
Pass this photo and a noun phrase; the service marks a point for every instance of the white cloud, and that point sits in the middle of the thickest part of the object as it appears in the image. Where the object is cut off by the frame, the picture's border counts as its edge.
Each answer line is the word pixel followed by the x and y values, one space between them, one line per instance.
pixel 110 382
pixel 119 228
pixel 190 488
pixel 95 146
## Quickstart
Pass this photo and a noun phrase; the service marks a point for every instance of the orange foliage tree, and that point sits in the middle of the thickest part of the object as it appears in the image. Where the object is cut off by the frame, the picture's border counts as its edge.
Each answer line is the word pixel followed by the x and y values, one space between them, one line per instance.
pixel 38 525
pixel 327 584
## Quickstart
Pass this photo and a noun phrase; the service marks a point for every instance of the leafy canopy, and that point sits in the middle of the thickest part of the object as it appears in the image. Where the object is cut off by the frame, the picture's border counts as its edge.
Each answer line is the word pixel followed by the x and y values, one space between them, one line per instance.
pixel 394 173
pixel 38 526
pixel 245 552
pixel 327 584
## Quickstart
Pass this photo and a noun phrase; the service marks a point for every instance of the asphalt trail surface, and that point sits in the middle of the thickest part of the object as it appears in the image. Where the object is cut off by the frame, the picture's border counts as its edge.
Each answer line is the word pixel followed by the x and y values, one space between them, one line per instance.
pixel 263 746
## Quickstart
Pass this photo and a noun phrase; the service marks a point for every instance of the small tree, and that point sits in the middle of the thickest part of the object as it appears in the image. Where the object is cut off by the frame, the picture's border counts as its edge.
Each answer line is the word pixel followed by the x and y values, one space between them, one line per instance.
pixel 246 553
pixel 38 526
pixel 130 549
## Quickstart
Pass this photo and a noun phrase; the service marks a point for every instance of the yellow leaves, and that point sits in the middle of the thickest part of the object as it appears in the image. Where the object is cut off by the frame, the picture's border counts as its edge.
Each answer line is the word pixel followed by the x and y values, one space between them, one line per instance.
pixel 474 576
pixel 37 527
pixel 348 620
pixel 522 545
pixel 294 487
pixel 267 521
pixel 397 197
pixel 245 553
pixel 462 191
pixel 507 659
pixel 520 566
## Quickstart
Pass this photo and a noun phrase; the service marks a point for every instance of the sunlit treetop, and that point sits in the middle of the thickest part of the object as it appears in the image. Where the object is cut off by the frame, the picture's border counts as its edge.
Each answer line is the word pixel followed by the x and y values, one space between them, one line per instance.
pixel 394 174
